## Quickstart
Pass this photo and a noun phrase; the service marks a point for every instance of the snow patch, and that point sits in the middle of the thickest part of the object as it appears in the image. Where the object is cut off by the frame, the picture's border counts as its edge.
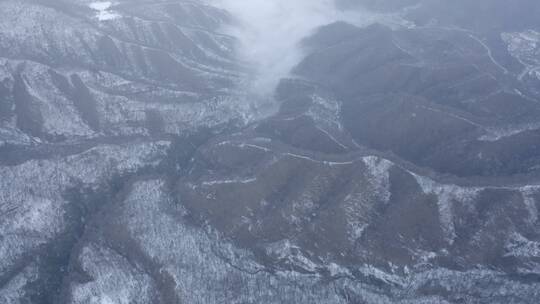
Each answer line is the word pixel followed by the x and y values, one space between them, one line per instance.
pixel 528 193
pixel 525 47
pixel 520 246
pixel 447 196
pixel 496 134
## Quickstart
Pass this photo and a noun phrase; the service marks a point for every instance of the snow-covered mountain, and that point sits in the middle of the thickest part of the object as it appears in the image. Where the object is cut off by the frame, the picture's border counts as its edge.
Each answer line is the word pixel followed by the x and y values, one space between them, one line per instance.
pixel 211 152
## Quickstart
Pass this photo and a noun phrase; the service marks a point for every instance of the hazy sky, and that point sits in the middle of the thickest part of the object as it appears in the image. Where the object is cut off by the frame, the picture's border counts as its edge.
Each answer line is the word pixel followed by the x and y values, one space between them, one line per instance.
pixel 270 31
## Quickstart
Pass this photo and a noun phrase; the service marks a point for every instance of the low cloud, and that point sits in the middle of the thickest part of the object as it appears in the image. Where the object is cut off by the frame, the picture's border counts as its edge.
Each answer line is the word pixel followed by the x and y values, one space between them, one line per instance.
pixel 270 31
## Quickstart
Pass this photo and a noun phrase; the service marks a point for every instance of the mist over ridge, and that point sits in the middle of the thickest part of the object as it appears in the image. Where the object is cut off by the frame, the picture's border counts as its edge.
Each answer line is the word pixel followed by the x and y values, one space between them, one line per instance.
pixel 269 33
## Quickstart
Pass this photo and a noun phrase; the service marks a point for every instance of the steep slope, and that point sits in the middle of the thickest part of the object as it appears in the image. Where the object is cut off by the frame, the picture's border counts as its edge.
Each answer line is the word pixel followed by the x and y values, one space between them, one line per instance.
pixel 436 97
pixel 86 102
pixel 155 69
